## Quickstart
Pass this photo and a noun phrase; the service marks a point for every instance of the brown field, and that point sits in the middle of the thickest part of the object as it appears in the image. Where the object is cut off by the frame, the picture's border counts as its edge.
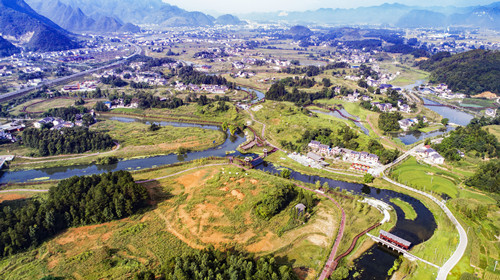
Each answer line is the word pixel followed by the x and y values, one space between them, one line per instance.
pixel 13 196
pixel 207 206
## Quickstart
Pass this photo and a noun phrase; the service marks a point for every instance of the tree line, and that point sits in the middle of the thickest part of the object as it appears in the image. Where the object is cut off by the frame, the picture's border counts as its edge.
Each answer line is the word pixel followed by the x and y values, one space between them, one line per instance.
pixel 215 264
pixel 66 141
pixel 487 177
pixel 188 75
pixel 65 113
pixel 278 92
pixel 73 202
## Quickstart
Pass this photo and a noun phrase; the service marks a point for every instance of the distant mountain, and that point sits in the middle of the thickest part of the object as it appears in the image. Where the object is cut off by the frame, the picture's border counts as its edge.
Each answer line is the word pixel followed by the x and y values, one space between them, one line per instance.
pixel 391 14
pixel 299 30
pixel 146 12
pixel 75 20
pixel 486 17
pixel 386 13
pixel 229 20
pixel 7 49
pixel 21 24
pixel 422 18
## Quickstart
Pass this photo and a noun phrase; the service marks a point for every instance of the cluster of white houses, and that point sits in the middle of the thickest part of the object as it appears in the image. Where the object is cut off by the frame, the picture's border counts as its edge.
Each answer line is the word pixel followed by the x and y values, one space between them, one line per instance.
pixel 345 154
pixel 83 86
pixel 59 123
pixel 430 155
pixel 199 88
pixel 405 124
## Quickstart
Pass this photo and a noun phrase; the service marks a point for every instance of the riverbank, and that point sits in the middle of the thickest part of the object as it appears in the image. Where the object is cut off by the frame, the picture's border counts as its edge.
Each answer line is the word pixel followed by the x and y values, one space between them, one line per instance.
pixel 137 141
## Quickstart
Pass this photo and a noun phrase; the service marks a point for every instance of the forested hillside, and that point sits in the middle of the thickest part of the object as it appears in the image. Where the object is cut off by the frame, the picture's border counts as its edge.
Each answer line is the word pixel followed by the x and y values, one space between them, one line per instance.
pixel 470 72
pixel 73 202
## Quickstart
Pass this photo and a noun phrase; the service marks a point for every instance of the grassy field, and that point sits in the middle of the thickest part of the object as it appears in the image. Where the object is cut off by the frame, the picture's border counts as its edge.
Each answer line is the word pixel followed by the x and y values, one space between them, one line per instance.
pixel 410 213
pixel 436 250
pixel 478 102
pixel 439 181
pixel 408 75
pixel 167 138
pixel 495 130
pixel 206 206
pixel 285 121
pixel 191 111
pixel 426 177
pixel 483 248
pixel 431 128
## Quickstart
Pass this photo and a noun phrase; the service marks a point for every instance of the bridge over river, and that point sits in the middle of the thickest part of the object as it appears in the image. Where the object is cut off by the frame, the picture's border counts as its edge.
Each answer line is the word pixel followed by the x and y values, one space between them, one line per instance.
pixel 405 253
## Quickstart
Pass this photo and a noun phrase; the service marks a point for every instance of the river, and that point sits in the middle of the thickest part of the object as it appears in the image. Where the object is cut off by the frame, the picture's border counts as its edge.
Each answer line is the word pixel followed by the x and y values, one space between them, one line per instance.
pixel 372 265
pixel 454 115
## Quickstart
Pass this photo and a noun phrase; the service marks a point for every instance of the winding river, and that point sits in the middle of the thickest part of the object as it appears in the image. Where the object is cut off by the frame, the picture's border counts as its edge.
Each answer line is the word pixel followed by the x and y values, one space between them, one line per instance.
pixel 374 264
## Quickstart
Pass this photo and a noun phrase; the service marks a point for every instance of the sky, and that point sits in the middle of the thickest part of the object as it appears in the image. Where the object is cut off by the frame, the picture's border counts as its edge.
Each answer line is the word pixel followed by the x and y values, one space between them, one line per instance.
pixel 247 6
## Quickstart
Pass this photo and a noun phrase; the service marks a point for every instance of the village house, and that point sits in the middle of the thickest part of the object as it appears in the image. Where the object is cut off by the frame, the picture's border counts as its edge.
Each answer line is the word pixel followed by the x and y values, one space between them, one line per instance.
pixel 430 155
pixel 490 112
pixel 314 145
pixel 405 124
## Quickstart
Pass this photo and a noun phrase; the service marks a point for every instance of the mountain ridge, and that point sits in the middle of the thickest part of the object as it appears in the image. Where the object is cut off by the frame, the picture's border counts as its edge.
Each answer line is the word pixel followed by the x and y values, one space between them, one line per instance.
pixel 75 20
pixel 390 14
pixel 21 25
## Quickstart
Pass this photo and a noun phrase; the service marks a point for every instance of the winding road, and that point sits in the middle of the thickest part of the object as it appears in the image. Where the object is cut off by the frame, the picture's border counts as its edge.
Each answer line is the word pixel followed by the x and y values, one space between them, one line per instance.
pixel 462 244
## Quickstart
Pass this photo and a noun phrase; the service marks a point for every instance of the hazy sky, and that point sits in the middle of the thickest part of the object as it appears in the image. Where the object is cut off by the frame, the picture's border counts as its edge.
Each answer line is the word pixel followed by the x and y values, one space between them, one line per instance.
pixel 246 6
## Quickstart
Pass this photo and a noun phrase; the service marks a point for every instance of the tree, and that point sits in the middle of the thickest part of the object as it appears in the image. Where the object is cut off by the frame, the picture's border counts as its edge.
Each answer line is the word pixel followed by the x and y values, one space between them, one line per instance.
pixel 445 121
pixel 326 82
pixel 101 107
pixel 232 129
pixel 389 121
pixel 368 178
pixel 318 185
pixel 286 173
pixel 154 127
pixel 225 126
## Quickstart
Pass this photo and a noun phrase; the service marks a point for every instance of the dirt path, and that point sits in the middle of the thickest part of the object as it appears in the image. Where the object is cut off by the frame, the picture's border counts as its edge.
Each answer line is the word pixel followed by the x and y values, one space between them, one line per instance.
pixel 330 263
pixel 180 172
pixel 263 130
pixel 23 190
pixel 382 138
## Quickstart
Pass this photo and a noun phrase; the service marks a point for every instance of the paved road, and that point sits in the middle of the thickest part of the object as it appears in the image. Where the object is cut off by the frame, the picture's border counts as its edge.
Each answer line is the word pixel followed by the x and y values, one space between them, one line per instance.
pixel 462 244
pixel 49 83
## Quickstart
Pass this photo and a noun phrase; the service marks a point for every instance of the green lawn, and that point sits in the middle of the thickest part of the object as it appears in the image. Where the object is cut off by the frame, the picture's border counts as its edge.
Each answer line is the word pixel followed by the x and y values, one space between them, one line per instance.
pixel 483 249
pixel 410 213
pixel 495 130
pixel 285 121
pixel 427 178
